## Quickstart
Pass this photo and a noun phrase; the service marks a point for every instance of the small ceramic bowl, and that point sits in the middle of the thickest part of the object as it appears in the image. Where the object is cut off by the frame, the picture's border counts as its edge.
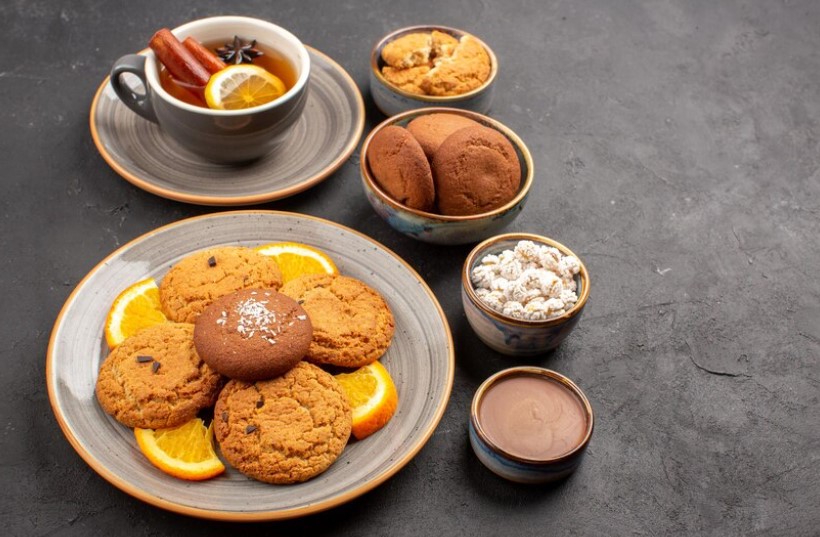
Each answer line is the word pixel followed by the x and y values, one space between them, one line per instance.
pixel 392 100
pixel 508 335
pixel 569 417
pixel 437 228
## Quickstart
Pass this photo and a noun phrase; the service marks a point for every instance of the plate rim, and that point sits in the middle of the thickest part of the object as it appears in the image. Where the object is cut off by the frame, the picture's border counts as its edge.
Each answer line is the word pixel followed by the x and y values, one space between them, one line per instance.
pixel 267 515
pixel 199 199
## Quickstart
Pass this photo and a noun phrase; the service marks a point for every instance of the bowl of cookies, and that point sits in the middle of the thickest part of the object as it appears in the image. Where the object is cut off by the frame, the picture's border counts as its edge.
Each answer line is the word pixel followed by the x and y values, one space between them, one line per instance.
pixel 446 176
pixel 422 66
pixel 523 293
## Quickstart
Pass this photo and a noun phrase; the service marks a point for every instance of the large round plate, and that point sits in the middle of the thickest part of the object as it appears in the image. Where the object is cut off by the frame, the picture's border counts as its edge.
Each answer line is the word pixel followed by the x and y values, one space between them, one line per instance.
pixel 420 360
pixel 320 142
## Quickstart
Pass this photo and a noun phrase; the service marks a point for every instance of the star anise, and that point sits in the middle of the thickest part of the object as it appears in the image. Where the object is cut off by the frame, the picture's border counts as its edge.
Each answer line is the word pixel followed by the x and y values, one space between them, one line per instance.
pixel 238 52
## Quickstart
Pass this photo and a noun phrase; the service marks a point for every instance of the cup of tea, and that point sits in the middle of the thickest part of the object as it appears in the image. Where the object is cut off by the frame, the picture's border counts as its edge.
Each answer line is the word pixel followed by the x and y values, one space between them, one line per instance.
pixel 180 109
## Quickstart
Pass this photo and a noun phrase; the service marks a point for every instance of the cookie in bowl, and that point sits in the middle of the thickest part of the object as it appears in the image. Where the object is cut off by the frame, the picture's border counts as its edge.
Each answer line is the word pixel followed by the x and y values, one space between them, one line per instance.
pixel 482 173
pixel 422 66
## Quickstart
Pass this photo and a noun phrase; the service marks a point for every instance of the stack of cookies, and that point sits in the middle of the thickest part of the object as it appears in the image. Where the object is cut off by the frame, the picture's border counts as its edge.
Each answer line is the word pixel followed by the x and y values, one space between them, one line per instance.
pixel 255 350
pixel 446 164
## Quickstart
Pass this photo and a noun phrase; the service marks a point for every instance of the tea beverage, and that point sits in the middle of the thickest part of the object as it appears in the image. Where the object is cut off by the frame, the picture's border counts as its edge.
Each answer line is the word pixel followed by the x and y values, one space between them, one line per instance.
pixel 270 60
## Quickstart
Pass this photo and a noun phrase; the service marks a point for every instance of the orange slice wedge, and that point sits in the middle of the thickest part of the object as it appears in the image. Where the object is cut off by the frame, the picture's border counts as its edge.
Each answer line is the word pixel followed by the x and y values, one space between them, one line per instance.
pixel 242 86
pixel 372 396
pixel 186 452
pixel 135 308
pixel 296 259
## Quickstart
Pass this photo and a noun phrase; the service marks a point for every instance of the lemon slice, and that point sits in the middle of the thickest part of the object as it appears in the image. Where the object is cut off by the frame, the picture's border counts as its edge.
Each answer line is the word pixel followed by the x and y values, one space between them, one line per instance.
pixel 373 398
pixel 186 452
pixel 242 86
pixel 296 259
pixel 135 308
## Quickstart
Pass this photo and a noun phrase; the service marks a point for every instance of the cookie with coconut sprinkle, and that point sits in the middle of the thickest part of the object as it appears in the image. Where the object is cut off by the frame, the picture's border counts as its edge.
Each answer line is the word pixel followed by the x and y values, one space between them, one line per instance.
pixel 253 334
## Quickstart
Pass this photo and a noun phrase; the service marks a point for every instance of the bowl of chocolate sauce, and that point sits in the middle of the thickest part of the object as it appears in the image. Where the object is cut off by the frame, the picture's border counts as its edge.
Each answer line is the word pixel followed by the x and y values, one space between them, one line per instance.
pixel 530 424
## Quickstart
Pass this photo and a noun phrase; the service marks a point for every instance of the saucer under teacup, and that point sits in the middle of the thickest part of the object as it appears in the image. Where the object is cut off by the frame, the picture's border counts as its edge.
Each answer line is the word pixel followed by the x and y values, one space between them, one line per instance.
pixel 324 137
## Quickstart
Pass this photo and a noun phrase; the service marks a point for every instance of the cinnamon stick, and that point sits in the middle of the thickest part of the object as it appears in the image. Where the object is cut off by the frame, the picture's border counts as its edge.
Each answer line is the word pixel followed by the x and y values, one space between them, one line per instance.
pixel 208 59
pixel 177 59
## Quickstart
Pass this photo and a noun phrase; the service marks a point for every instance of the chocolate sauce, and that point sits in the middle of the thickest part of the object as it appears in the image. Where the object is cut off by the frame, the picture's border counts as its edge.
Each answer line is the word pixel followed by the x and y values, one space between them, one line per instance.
pixel 532 417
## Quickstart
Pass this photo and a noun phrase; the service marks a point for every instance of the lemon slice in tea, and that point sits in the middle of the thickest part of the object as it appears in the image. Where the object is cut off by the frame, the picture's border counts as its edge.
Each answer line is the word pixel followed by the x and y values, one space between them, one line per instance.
pixel 242 86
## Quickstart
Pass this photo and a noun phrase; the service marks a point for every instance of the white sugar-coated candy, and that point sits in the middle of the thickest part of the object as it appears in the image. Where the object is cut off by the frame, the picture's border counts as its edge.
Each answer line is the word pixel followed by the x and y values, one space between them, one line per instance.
pixel 531 281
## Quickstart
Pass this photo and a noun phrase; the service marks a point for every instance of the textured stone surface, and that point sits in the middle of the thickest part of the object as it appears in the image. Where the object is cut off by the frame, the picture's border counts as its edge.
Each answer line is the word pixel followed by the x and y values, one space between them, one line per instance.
pixel 677 146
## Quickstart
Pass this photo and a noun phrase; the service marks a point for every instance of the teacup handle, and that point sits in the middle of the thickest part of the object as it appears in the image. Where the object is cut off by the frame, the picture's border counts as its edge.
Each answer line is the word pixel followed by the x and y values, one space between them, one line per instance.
pixel 138 102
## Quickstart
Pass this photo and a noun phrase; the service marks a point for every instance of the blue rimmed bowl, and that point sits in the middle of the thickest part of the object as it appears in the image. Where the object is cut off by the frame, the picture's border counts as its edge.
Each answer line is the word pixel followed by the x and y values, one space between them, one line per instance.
pixel 519 469
pixel 444 229
pixel 508 335
pixel 392 100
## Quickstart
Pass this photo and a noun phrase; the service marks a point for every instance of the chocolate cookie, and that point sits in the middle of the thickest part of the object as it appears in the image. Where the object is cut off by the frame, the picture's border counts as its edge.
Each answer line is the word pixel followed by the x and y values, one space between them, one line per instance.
pixel 204 276
pixel 253 334
pixel 285 430
pixel 476 170
pixel 400 168
pixel 352 324
pixel 431 130
pixel 156 379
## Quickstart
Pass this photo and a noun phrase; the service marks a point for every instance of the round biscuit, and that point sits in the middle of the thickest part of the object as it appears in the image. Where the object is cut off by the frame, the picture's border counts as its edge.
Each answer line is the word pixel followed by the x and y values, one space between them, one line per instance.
pixel 400 168
pixel 155 378
pixel 285 430
pixel 430 130
pixel 202 277
pixel 352 323
pixel 476 169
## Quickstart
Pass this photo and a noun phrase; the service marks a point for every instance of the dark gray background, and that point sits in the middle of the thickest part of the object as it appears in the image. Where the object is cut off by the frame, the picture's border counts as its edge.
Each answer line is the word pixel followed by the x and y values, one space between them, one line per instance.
pixel 677 150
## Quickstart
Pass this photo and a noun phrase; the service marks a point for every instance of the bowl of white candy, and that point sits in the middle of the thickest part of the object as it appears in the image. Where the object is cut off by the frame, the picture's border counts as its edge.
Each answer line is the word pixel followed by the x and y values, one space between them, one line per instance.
pixel 523 293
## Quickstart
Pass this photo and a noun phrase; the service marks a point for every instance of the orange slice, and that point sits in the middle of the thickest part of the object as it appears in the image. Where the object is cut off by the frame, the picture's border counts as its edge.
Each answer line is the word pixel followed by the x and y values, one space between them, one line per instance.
pixel 135 308
pixel 242 86
pixel 372 396
pixel 186 452
pixel 297 259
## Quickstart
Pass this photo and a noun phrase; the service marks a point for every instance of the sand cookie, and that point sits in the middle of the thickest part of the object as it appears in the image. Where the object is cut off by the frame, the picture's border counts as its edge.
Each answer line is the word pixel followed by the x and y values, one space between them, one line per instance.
pixel 408 80
pixel 432 129
pixel 409 50
pixel 202 277
pixel 400 167
pixel 253 334
pixel 285 430
pixel 352 324
pixel 444 44
pixel 476 169
pixel 466 69
pixel 156 379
